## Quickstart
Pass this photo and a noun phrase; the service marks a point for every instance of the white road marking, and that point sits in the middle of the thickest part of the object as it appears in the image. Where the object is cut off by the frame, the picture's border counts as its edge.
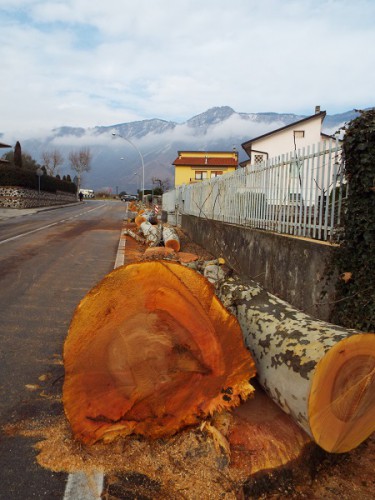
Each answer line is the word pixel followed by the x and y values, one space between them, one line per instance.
pixel 82 486
pixel 120 257
pixel 49 225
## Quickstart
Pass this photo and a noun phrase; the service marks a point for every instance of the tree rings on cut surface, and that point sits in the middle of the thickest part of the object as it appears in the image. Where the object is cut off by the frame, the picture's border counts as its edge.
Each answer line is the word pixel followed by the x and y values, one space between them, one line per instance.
pixel 151 350
pixel 342 397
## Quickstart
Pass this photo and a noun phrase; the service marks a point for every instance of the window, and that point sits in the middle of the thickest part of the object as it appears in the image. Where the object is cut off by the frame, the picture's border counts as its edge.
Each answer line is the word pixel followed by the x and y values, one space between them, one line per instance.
pixel 200 175
pixel 258 159
pixel 299 134
pixel 216 173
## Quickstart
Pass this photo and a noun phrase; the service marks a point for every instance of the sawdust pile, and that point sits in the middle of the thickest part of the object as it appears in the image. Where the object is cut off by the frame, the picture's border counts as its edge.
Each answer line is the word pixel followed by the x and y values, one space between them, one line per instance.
pixel 188 465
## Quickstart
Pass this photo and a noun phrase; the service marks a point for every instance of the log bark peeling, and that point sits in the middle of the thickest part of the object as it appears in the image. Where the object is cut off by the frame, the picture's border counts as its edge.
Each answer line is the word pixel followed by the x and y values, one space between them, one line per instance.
pixel 322 375
pixel 151 350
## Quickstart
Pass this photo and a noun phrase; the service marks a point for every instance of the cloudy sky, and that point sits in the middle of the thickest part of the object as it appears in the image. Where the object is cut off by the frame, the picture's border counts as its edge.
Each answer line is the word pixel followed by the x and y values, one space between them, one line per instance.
pixel 89 62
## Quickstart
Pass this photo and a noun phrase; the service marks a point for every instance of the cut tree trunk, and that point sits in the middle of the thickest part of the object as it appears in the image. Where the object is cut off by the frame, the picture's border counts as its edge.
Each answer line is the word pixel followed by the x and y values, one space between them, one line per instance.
pixel 321 374
pixel 171 239
pixel 151 233
pixel 151 350
pixel 135 236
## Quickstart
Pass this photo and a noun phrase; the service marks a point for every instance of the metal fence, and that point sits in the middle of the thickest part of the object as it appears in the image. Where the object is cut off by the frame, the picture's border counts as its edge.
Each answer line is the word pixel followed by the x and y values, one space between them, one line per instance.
pixel 300 193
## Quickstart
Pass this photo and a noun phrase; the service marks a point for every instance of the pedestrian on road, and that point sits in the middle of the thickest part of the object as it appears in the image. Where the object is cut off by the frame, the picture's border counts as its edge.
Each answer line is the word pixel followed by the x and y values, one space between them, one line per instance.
pixel 80 196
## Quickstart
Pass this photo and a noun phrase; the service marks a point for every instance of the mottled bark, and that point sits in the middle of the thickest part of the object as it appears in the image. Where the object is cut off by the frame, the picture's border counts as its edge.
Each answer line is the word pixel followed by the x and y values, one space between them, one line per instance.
pixel 135 236
pixel 171 239
pixel 322 375
pixel 151 233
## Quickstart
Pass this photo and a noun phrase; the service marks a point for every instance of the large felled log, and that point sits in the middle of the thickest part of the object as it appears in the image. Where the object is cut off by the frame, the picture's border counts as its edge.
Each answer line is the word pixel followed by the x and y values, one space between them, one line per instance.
pixel 150 350
pixel 321 374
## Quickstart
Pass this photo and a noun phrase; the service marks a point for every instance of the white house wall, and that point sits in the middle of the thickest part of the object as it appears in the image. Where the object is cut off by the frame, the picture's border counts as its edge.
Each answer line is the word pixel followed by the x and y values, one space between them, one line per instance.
pixel 283 141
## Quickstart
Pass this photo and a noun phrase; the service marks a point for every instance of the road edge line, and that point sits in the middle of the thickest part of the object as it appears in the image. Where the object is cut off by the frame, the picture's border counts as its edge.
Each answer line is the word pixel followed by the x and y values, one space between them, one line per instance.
pixel 82 486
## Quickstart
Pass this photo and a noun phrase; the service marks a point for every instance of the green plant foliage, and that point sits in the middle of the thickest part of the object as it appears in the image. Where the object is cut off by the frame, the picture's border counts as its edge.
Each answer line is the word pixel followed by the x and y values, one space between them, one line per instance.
pixel 355 307
pixel 26 160
pixel 9 176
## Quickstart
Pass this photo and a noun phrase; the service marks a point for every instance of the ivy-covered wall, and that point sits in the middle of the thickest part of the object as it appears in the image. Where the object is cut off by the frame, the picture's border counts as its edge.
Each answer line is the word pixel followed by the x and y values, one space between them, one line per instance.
pixel 355 259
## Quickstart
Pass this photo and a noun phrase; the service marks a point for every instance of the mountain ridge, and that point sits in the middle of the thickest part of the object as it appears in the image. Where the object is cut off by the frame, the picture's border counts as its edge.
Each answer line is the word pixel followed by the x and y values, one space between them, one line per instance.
pixel 218 128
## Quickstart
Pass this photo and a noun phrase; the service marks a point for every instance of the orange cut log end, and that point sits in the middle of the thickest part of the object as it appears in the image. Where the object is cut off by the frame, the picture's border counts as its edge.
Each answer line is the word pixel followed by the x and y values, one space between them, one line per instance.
pixel 139 219
pixel 151 350
pixel 342 397
pixel 186 257
pixel 263 437
pixel 173 244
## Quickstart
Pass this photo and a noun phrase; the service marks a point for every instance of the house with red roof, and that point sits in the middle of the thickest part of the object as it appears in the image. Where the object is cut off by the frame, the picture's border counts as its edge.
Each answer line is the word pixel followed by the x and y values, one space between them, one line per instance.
pixel 197 166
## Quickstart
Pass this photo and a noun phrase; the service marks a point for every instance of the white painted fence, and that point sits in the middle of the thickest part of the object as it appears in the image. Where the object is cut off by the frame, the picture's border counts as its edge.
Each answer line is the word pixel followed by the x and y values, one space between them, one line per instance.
pixel 299 193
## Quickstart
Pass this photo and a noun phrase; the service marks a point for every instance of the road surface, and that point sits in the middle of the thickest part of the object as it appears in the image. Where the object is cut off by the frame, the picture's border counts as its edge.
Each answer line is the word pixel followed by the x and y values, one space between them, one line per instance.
pixel 48 262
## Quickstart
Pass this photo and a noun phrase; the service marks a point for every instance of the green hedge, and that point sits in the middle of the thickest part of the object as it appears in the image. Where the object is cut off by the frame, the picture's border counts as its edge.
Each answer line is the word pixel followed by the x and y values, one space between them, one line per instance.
pixel 18 177
pixel 355 259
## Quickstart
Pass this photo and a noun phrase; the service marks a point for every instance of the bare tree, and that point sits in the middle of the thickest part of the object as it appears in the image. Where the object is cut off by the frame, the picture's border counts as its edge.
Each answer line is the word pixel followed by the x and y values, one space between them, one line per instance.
pixel 165 184
pixel 80 161
pixel 52 160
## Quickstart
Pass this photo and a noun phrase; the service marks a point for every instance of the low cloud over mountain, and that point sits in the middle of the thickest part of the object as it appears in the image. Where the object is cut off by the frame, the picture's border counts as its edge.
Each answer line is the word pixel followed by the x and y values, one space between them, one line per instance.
pixel 116 164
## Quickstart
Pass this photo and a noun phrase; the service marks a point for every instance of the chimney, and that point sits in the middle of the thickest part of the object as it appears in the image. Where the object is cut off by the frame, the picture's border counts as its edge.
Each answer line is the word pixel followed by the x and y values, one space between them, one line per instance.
pixel 317 110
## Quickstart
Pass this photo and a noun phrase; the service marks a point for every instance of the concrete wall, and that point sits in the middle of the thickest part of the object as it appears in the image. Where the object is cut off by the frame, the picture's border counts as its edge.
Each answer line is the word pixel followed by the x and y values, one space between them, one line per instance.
pixel 294 269
pixel 16 197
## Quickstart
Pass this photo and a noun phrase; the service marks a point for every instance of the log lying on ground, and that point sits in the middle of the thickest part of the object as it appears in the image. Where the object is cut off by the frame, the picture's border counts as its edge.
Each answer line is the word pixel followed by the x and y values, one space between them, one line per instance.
pixel 151 350
pixel 151 233
pixel 170 238
pixel 139 219
pixel 130 216
pixel 321 374
pixel 135 236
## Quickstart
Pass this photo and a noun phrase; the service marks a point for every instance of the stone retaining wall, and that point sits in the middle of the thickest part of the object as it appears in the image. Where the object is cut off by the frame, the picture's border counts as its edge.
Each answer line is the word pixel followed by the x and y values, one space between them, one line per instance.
pixel 16 197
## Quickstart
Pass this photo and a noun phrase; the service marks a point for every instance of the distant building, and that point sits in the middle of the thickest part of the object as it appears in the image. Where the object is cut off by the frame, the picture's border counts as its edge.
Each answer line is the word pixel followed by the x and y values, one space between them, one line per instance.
pixel 87 193
pixel 2 145
pixel 197 166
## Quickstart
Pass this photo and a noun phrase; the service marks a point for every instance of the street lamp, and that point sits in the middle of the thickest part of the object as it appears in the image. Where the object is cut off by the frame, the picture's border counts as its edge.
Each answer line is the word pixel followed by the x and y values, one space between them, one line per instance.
pixel 140 154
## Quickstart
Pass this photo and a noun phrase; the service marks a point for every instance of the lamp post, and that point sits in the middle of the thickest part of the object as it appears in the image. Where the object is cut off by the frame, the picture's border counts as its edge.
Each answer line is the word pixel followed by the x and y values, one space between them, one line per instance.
pixel 140 155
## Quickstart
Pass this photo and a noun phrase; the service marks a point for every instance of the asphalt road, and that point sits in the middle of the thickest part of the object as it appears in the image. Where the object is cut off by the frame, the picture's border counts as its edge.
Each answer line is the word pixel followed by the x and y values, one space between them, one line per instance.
pixel 48 262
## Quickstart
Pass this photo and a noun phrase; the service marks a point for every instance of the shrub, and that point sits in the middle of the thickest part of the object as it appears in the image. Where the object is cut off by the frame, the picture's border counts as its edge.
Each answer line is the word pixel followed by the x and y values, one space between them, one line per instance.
pixel 355 262
pixel 9 176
